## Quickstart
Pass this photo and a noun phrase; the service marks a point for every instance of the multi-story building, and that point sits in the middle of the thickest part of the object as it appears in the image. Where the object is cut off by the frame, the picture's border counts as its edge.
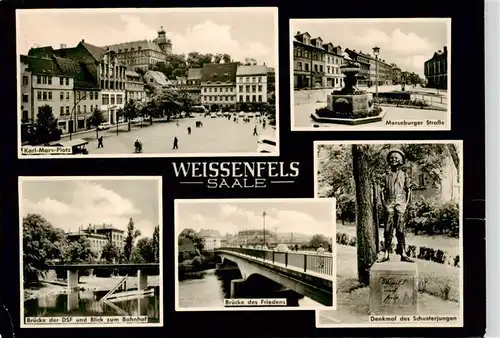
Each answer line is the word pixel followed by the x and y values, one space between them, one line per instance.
pixel 99 236
pixel 99 79
pixel 308 61
pixel 436 69
pixel 45 83
pixel 134 87
pixel 218 85
pixel 333 60
pixel 211 238
pixel 396 74
pixel 143 54
pixel 193 84
pixel 380 70
pixel 271 80
pixel 363 76
pixel 251 84
pixel 156 81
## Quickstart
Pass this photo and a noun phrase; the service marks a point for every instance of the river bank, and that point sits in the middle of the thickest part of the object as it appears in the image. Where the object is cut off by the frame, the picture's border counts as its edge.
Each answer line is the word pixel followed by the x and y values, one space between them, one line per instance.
pixel 87 283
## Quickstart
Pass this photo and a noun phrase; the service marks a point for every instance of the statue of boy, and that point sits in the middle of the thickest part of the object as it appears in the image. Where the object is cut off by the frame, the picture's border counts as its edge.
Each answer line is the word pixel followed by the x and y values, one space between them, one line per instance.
pixel 396 194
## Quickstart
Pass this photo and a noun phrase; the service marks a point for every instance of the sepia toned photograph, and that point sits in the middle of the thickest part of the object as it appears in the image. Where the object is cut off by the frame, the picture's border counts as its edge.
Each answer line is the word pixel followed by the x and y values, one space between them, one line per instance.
pixel 398 232
pixel 91 251
pixel 370 74
pixel 138 82
pixel 258 254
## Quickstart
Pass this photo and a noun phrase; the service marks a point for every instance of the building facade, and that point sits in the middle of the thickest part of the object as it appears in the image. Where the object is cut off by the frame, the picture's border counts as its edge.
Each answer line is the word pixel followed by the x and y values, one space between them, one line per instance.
pixel 436 70
pixel 99 236
pixel 192 84
pixel 308 61
pixel 251 84
pixel 396 74
pixel 134 87
pixel 218 85
pixel 211 239
pixel 143 54
pixel 156 81
pixel 333 60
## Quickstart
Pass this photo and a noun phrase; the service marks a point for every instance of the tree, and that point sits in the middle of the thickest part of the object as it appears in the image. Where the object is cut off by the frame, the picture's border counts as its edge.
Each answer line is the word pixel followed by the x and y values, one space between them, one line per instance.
pixel 168 102
pixel 250 61
pixel 270 109
pixel 144 251
pixel 79 251
pixel 111 253
pixel 193 236
pixel 197 60
pixel 41 243
pixel 318 240
pixel 129 112
pixel 95 120
pixel 186 100
pixel 46 129
pixel 156 244
pixel 365 230
pixel 132 234
pixel 226 58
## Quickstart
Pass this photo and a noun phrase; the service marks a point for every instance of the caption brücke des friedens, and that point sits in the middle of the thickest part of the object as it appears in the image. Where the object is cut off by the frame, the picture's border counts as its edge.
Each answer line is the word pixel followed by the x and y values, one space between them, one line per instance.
pixel 236 174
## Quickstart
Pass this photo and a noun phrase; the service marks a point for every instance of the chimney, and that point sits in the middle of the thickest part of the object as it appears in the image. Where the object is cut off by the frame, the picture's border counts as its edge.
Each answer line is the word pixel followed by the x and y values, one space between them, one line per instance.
pixel 83 40
pixel 445 49
pixel 298 33
pixel 63 45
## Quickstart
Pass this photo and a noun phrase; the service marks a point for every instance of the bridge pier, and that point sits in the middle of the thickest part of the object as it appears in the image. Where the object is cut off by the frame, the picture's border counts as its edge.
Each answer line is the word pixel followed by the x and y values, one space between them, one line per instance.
pixel 72 276
pixel 238 287
pixel 142 280
pixel 72 301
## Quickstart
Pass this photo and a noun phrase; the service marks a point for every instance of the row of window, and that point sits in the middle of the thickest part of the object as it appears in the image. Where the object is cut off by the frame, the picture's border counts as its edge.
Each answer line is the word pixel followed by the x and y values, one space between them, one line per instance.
pixel 105 84
pixel 436 67
pixel 45 79
pixel 252 79
pixel 218 98
pixel 247 88
pixel 223 89
pixel 112 70
pixel 255 98
pixel 79 109
pixel 110 99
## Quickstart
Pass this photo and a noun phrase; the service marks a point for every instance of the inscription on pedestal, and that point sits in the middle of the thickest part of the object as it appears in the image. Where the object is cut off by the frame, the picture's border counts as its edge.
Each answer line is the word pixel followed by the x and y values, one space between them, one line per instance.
pixel 393 288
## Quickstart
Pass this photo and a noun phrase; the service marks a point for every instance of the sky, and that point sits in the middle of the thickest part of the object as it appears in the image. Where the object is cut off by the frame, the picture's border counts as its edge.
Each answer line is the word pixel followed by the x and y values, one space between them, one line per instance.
pixel 407 43
pixel 247 33
pixel 67 204
pixel 306 217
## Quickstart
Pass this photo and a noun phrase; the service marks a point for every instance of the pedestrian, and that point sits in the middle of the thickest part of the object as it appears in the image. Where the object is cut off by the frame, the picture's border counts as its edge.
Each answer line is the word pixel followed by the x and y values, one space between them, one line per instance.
pixel 255 131
pixel 99 142
pixel 189 130
pixel 176 143
pixel 177 123
pixel 321 260
pixel 396 195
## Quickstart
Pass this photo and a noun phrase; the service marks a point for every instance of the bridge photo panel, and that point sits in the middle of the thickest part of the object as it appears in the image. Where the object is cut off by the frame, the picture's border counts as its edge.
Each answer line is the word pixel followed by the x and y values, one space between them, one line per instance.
pixel 399 242
pixel 255 254
pixel 91 251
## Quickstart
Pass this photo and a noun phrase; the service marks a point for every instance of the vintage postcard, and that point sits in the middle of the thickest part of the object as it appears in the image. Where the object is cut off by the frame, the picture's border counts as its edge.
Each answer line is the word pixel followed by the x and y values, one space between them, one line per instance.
pixel 139 82
pixel 370 74
pixel 91 251
pixel 398 232
pixel 254 254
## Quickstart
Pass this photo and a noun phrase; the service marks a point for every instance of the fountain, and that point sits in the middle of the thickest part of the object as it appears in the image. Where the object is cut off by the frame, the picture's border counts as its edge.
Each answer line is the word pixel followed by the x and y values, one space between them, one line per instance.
pixel 349 105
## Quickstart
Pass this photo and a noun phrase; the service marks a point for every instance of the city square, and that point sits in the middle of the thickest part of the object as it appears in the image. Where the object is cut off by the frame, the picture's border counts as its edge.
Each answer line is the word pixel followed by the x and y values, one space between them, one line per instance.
pixel 217 135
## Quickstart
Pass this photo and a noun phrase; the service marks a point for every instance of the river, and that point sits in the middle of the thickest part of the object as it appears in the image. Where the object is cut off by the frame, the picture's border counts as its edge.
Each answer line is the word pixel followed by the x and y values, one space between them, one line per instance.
pixel 208 289
pixel 87 303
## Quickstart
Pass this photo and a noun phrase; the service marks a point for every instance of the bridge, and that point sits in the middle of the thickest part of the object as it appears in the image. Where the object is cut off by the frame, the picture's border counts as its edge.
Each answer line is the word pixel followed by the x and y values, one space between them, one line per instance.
pixel 308 274
pixel 72 271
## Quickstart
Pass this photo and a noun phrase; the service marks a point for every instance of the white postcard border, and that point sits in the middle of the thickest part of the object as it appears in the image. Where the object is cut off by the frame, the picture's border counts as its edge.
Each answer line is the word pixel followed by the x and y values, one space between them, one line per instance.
pixel 177 202
pixel 22 179
pixel 273 10
pixel 460 321
pixel 366 127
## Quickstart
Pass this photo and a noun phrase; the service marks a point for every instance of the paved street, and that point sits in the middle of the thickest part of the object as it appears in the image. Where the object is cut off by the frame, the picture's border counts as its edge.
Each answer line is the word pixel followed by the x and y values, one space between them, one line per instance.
pixel 302 118
pixel 218 135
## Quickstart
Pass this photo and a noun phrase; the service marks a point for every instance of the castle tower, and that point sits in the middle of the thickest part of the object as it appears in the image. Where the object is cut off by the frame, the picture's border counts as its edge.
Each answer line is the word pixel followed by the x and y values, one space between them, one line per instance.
pixel 163 42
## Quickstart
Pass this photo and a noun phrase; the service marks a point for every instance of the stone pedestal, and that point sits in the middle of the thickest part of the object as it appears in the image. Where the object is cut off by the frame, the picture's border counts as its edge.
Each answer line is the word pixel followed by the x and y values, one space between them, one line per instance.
pixel 348 103
pixel 393 288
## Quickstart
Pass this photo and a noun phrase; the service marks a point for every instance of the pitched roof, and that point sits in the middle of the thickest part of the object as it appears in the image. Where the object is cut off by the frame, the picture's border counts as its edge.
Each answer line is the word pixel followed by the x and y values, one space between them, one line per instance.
pixel 252 70
pixel 83 77
pixel 159 77
pixel 219 72
pixel 209 233
pixel 95 51
pixel 194 74
pixel 143 44
pixel 46 51
pixel 42 65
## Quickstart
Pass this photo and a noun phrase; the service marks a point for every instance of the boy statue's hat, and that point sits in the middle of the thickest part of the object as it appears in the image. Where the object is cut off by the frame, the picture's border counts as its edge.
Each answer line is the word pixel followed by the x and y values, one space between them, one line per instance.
pixel 395 150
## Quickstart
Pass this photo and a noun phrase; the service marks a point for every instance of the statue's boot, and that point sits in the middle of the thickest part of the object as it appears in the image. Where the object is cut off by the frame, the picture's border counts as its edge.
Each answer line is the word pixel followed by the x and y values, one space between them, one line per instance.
pixel 406 259
pixel 383 259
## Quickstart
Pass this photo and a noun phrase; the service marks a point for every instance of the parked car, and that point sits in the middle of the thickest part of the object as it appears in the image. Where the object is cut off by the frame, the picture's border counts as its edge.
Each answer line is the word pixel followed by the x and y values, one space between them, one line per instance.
pixel 241 114
pixel 78 146
pixel 121 120
pixel 266 144
pixel 219 114
pixel 213 115
pixel 199 110
pixel 250 115
pixel 104 126
pixel 257 114
pixel 136 120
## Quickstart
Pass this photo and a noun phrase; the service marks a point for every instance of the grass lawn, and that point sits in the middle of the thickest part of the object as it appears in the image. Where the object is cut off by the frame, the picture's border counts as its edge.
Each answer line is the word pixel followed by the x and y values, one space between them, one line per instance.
pixel 352 299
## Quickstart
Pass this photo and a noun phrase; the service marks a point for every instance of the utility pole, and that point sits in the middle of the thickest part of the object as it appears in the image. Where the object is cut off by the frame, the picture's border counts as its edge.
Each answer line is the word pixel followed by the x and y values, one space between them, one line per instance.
pixel 311 52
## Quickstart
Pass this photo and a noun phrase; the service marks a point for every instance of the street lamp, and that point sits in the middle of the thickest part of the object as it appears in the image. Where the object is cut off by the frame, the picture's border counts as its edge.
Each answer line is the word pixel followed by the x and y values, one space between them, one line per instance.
pixel 74 112
pixel 264 225
pixel 376 51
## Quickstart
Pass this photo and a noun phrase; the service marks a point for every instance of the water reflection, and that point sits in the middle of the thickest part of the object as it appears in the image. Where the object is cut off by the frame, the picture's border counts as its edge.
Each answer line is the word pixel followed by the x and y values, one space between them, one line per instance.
pixel 209 288
pixel 87 303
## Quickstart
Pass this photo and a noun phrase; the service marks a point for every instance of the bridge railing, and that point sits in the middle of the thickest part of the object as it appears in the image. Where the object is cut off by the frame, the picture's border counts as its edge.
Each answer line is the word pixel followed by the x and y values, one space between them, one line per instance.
pixel 307 261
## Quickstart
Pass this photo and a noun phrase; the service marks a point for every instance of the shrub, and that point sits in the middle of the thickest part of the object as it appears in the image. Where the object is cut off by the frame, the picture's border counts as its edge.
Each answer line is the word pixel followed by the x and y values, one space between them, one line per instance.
pixel 431 217
pixel 352 241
